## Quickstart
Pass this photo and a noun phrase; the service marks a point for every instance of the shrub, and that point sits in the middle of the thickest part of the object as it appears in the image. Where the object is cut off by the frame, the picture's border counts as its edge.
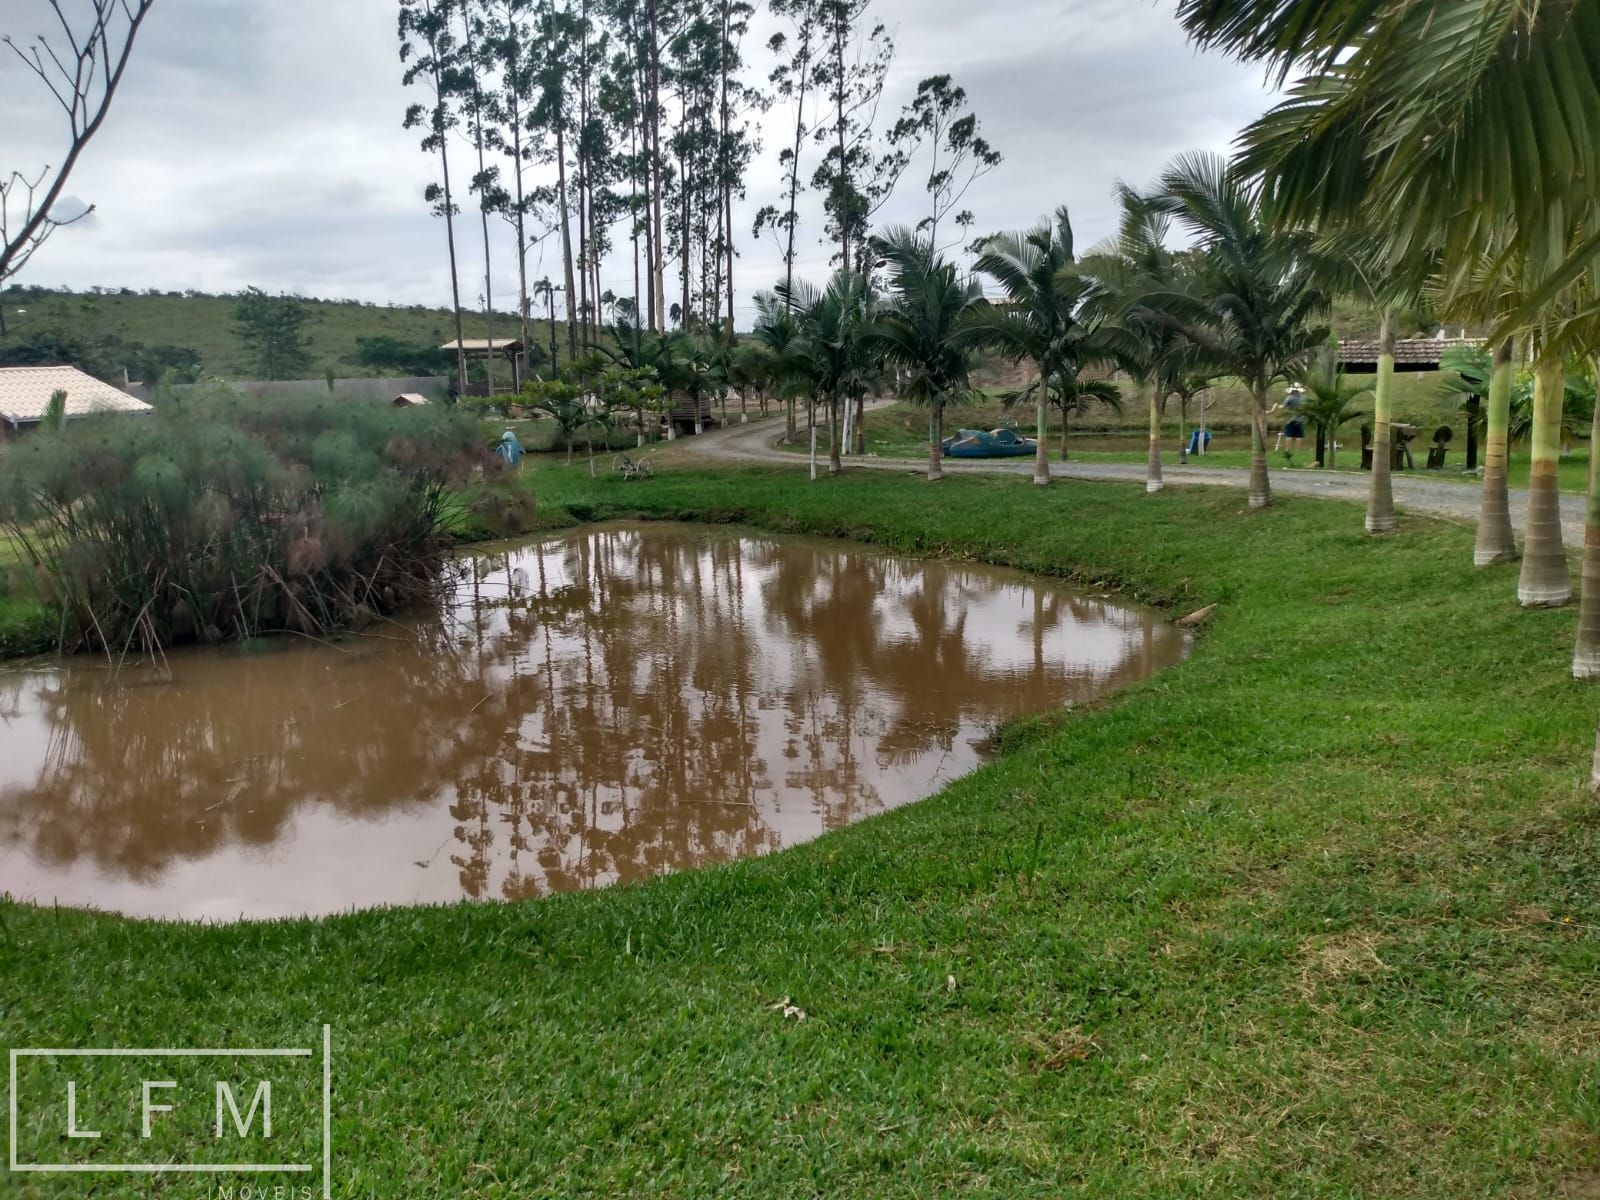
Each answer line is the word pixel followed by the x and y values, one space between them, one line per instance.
pixel 229 519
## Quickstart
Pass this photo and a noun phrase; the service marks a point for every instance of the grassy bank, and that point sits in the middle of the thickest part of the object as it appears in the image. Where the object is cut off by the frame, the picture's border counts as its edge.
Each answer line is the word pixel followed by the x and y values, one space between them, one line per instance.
pixel 205 324
pixel 1314 914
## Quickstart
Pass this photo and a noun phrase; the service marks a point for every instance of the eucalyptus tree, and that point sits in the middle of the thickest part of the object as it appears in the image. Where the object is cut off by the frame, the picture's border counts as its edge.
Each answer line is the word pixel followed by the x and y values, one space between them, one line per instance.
pixel 507 52
pixel 1041 320
pixel 552 116
pixel 851 68
pixel 736 143
pixel 475 61
pixel 793 79
pixel 1256 294
pixel 632 100
pixel 937 119
pixel 428 49
pixel 919 332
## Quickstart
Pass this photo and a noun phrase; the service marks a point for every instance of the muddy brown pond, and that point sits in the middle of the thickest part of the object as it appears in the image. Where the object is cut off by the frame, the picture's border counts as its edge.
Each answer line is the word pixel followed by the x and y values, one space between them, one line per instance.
pixel 608 705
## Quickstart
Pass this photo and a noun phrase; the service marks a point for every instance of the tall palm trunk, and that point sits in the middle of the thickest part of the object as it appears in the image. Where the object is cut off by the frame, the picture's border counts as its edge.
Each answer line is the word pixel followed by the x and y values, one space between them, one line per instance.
pixel 1586 657
pixel 1260 482
pixel 1152 479
pixel 811 432
pixel 1545 581
pixel 860 425
pixel 835 437
pixel 1594 767
pixel 1041 454
pixel 1496 542
pixel 1380 504
pixel 936 442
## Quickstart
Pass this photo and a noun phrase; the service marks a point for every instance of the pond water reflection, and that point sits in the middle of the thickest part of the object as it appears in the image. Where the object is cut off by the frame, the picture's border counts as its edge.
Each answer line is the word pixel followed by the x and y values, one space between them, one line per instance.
pixel 613 704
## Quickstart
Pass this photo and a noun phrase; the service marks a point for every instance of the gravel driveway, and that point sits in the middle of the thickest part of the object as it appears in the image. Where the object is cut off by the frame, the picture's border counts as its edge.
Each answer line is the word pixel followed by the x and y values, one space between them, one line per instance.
pixel 753 443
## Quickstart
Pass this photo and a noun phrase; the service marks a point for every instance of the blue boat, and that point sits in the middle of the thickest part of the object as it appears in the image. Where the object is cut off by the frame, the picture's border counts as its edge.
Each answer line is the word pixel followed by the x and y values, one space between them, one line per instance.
pixel 996 443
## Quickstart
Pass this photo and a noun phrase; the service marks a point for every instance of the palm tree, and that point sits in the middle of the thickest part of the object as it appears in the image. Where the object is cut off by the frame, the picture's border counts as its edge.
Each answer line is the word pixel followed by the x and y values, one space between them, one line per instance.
pixel 1454 124
pixel 919 332
pixel 751 366
pixel 1478 372
pixel 1487 289
pixel 1256 292
pixel 1330 400
pixel 778 330
pixel 1040 321
pixel 830 352
pixel 1459 128
pixel 1136 275
pixel 687 363
pixel 1075 396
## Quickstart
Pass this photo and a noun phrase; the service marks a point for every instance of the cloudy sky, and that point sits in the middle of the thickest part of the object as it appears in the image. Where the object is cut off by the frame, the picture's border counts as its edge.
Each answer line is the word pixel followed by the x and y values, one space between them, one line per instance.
pixel 261 143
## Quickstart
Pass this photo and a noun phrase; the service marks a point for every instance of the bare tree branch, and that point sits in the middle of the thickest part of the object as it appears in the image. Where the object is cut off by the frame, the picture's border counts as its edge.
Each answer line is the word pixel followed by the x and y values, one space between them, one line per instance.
pixel 85 91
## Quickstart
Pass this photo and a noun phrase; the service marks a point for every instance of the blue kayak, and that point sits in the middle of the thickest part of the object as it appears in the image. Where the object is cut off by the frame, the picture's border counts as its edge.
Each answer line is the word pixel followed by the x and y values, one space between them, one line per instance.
pixel 996 443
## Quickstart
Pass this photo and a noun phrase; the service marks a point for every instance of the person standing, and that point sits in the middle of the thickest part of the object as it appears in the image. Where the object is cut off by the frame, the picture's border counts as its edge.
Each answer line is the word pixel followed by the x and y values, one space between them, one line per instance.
pixel 1293 434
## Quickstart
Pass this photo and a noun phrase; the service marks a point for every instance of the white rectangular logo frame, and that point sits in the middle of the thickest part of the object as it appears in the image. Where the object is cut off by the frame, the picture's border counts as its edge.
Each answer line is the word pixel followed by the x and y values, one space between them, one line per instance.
pixel 210 1168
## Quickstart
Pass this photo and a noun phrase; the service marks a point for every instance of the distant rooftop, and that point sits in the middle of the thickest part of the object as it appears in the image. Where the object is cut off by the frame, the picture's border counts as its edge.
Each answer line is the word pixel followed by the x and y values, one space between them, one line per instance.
pixel 1415 354
pixel 507 345
pixel 25 394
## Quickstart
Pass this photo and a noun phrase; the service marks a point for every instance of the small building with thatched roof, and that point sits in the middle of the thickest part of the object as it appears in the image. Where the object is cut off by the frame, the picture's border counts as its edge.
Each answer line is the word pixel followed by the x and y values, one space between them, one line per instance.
pixel 25 394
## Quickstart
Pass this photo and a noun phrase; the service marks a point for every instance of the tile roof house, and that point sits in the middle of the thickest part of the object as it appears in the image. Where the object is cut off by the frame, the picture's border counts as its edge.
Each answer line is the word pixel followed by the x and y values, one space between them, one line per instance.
pixel 25 396
pixel 1359 356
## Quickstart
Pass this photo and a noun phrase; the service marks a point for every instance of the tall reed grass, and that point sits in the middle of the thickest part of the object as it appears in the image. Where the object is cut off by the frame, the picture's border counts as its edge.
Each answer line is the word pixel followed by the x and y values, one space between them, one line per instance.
pixel 225 518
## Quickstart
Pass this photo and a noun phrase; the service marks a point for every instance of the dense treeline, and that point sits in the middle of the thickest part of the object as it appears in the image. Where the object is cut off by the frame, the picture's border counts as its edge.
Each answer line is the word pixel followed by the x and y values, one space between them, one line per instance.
pixel 624 130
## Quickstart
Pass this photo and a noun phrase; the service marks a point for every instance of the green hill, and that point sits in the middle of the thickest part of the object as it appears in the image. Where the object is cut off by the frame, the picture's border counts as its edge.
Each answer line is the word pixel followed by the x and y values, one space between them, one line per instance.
pixel 204 323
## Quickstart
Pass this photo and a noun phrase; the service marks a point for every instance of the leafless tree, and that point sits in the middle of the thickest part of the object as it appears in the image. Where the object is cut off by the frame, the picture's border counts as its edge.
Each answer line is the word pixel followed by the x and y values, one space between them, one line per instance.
pixel 82 67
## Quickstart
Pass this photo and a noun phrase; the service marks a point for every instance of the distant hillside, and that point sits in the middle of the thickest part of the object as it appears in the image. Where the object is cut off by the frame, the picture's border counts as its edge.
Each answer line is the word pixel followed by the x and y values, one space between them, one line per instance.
pixel 203 323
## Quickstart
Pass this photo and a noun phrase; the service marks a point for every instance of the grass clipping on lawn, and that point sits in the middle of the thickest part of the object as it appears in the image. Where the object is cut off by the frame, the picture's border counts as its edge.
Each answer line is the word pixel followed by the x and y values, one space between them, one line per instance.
pixel 1313 913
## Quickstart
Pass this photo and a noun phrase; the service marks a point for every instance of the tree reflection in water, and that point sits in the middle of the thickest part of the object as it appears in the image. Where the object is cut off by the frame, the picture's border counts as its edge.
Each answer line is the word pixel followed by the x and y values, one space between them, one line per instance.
pixel 610 705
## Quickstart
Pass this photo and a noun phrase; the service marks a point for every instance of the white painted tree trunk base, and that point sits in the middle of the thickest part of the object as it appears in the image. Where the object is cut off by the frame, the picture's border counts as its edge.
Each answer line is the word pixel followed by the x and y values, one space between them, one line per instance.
pixel 1544 595
pixel 1492 558
pixel 1041 481
pixel 1260 501
pixel 1586 664
pixel 1152 486
pixel 1381 525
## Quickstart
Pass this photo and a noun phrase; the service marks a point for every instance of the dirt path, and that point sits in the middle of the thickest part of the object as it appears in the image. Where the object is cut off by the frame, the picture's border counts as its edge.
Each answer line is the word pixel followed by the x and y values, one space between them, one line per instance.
pixel 752 443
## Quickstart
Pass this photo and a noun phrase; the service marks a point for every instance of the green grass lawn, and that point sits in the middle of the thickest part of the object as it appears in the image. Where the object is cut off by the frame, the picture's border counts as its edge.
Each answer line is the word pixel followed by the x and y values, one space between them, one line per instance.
pixel 1316 913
